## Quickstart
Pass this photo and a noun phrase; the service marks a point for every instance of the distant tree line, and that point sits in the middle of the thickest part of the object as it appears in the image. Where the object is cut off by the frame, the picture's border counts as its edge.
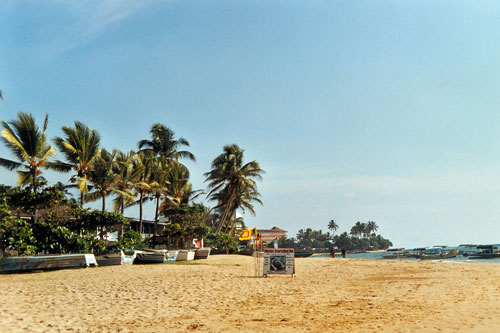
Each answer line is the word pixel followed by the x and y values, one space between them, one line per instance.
pixel 362 237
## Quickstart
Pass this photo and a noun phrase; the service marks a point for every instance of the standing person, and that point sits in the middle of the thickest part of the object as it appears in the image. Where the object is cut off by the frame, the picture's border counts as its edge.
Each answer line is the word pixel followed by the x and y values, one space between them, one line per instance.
pixel 343 253
pixel 332 252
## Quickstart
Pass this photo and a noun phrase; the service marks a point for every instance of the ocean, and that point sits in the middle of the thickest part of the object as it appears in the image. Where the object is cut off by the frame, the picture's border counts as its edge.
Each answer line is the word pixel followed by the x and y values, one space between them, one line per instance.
pixel 379 255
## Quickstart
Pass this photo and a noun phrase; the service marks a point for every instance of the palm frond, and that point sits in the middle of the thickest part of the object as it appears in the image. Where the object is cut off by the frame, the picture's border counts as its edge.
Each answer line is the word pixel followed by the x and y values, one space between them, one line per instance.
pixel 11 165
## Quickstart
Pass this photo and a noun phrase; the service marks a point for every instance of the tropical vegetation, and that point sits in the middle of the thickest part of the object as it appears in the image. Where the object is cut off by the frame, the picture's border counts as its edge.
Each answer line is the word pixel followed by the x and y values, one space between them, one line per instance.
pixel 38 218
pixel 362 237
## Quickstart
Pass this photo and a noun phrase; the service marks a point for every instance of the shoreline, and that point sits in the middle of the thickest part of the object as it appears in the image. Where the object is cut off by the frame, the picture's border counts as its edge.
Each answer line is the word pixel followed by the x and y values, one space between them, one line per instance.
pixel 221 294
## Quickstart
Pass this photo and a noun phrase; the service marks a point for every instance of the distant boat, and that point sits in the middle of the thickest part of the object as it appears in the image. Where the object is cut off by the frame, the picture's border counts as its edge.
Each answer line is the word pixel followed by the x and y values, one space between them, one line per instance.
pixel 486 252
pixel 115 258
pixel 439 255
pixel 46 262
pixel 400 255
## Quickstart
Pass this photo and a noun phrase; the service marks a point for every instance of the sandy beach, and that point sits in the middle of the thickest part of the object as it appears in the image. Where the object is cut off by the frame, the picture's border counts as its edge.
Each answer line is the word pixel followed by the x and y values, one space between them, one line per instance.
pixel 221 295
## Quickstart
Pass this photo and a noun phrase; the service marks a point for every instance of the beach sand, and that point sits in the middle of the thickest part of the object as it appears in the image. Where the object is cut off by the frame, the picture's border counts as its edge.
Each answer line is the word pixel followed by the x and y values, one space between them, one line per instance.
pixel 220 294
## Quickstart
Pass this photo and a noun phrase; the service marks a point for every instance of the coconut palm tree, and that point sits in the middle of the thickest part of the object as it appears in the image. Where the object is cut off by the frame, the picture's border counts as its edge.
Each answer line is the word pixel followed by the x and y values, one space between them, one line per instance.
pixel 159 182
pixel 143 164
pixel 333 226
pixel 358 229
pixel 164 146
pixel 80 147
pixel 103 177
pixel 29 145
pixel 232 184
pixel 178 184
pixel 126 177
pixel 163 143
pixel 371 227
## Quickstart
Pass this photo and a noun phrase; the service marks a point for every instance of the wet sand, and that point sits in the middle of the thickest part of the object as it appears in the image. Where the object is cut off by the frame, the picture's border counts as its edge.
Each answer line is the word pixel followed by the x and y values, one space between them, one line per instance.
pixel 221 294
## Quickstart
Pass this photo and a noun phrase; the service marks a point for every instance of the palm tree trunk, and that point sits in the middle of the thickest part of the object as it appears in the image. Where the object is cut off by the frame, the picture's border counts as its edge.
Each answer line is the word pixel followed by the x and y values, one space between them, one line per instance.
pixel 140 212
pixel 156 214
pixel 225 217
pixel 81 199
pixel 121 210
pixel 103 202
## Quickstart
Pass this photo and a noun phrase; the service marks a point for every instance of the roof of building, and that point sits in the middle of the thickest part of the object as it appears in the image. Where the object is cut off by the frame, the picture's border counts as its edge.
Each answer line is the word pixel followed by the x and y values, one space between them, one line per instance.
pixel 273 229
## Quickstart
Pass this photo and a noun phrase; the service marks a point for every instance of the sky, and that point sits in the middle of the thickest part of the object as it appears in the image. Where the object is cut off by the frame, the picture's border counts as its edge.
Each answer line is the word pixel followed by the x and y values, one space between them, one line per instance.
pixel 384 111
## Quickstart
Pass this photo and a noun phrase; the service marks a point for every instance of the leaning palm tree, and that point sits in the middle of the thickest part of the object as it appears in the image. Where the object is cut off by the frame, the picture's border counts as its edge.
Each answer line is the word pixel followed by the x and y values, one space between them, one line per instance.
pixel 163 143
pixel 29 145
pixel 80 146
pixel 232 184
pixel 103 177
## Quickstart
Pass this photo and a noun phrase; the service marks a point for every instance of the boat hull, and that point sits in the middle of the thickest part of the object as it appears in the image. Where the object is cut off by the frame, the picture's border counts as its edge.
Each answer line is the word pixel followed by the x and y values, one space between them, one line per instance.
pixel 438 256
pixel 148 257
pixel 202 253
pixel 117 258
pixel 484 256
pixel 46 262
pixel 185 255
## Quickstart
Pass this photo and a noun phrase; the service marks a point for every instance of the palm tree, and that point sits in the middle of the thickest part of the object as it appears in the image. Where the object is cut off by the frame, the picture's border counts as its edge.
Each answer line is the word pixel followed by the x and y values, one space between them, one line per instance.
pixel 103 177
pixel 178 184
pixel 126 176
pixel 143 164
pixel 358 229
pixel 232 184
pixel 371 227
pixel 333 226
pixel 80 146
pixel 29 145
pixel 164 144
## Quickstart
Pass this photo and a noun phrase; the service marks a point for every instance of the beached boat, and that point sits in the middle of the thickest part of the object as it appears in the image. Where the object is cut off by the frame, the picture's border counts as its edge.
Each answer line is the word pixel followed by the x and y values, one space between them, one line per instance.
pixel 303 254
pixel 439 255
pixel 115 258
pixel 46 262
pixel 202 253
pixel 402 255
pixel 486 252
pixel 172 255
pixel 185 255
pixel 149 256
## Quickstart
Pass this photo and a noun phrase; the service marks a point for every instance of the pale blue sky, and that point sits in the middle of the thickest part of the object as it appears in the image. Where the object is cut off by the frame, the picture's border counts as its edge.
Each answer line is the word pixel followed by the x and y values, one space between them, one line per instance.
pixel 357 110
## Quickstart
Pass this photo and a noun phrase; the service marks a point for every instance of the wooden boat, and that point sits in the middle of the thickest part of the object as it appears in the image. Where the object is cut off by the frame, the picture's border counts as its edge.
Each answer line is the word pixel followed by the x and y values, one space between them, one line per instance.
pixel 172 255
pixel 439 255
pixel 46 262
pixel 116 258
pixel 401 255
pixel 185 255
pixel 149 256
pixel 303 254
pixel 202 253
pixel 486 252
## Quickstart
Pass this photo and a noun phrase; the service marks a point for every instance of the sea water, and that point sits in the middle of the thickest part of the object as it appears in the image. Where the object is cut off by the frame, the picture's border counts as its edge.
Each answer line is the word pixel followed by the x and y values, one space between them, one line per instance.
pixel 379 256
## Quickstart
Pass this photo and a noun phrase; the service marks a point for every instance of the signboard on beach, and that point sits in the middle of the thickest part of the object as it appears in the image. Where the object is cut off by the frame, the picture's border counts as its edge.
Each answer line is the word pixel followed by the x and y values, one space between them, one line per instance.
pixel 279 262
